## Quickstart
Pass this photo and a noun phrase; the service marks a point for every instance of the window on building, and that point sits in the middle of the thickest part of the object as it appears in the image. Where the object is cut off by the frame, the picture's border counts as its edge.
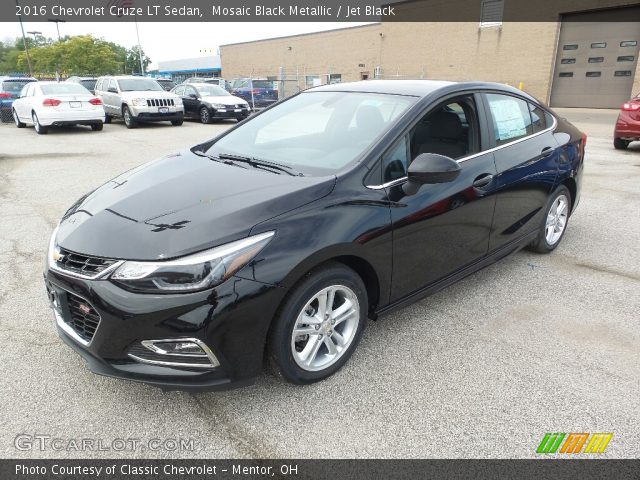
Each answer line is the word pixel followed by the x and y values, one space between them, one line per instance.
pixel 596 59
pixel 599 45
pixel 626 58
pixel 491 12
pixel 565 74
pixel 622 73
pixel 313 81
pixel 572 46
pixel 335 78
pixel 593 74
pixel 629 43
pixel 566 61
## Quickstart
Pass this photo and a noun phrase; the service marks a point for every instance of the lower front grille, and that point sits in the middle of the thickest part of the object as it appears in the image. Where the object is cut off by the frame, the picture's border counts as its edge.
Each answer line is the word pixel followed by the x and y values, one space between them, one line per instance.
pixel 82 318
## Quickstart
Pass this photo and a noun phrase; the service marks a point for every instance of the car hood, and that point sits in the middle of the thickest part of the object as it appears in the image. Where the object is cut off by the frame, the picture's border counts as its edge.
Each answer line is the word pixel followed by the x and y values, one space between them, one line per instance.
pixel 149 94
pixel 224 100
pixel 181 204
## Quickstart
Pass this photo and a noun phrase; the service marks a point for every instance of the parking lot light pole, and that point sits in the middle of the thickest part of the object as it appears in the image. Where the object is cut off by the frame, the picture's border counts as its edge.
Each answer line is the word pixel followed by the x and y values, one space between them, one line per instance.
pixel 24 41
pixel 57 21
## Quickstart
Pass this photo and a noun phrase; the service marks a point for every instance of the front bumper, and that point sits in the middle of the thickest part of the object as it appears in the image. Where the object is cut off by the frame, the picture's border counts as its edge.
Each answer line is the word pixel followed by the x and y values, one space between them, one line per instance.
pixel 152 114
pixel 232 320
pixel 231 113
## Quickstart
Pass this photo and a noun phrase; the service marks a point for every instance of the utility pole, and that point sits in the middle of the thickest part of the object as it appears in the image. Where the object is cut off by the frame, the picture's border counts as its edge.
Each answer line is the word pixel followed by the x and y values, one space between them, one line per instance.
pixel 24 41
pixel 57 21
pixel 139 47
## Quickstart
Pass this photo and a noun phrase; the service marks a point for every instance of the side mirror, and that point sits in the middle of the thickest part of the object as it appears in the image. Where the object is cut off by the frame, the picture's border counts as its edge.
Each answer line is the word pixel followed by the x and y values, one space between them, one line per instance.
pixel 193 95
pixel 112 90
pixel 430 168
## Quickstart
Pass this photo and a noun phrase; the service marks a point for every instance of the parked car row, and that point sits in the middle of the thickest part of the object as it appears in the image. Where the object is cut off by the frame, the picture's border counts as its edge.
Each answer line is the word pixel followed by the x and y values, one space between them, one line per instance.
pixel 135 99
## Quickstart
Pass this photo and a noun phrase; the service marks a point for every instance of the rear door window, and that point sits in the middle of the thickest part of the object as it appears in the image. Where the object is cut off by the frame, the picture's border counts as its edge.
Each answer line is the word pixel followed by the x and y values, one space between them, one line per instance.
pixel 510 118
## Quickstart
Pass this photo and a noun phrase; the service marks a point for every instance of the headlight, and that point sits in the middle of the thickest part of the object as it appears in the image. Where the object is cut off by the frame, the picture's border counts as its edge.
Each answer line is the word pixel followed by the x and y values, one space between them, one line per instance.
pixel 218 105
pixel 193 272
pixel 177 101
pixel 139 102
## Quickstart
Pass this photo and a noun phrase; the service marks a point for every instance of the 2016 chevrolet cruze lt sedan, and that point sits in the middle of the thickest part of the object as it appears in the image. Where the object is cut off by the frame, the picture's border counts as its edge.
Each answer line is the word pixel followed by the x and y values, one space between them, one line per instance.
pixel 279 238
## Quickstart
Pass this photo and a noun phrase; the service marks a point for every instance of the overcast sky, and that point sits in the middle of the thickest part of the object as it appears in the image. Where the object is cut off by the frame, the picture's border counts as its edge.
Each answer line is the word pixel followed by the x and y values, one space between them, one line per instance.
pixel 171 41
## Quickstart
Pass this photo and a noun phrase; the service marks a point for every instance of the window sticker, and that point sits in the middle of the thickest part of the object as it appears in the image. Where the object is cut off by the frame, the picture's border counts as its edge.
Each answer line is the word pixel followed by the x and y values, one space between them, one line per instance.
pixel 508 117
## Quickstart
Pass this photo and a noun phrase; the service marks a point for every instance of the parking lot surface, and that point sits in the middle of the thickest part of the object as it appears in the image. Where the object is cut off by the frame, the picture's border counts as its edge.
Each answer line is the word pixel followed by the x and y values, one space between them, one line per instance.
pixel 530 345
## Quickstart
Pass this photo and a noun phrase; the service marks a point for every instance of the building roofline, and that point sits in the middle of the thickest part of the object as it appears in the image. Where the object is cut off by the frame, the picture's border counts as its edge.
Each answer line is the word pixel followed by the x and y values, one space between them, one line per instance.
pixel 302 34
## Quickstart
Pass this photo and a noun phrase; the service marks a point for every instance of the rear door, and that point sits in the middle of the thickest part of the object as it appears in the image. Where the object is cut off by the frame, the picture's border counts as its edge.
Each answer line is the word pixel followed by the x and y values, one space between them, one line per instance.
pixel 526 155
pixel 190 102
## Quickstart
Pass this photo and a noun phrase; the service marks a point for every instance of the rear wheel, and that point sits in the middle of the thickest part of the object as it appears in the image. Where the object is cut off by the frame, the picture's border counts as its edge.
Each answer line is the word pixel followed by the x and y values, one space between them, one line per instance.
pixel 107 119
pixel 96 127
pixel 16 119
pixel 554 223
pixel 129 121
pixel 40 129
pixel 319 325
pixel 620 144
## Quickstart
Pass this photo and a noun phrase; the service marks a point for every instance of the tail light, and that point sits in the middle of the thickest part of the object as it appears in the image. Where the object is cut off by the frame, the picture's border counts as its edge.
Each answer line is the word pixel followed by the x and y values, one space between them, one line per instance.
pixel 95 101
pixel 5 95
pixel 255 91
pixel 51 102
pixel 583 145
pixel 631 107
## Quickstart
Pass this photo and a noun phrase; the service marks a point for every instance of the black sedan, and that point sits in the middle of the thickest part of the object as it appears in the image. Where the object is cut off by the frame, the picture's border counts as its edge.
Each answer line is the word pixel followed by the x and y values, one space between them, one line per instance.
pixel 287 232
pixel 208 102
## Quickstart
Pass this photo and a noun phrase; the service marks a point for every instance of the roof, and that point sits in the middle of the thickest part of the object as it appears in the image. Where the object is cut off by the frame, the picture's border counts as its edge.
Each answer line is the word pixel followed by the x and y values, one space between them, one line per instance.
pixel 416 88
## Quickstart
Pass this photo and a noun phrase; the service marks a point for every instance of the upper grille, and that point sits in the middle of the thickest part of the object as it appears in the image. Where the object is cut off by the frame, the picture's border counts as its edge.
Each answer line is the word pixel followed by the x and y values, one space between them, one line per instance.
pixel 82 317
pixel 160 102
pixel 82 264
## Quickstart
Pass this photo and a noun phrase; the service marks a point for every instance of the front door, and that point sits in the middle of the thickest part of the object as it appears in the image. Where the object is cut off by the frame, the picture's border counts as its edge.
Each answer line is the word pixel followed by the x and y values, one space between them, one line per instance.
pixel 442 227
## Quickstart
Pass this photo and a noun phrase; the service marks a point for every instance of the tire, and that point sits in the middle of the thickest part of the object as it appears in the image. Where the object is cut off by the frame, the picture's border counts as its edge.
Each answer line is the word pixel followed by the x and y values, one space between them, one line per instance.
pixel 205 115
pixel 304 366
pixel 554 223
pixel 107 119
pixel 620 144
pixel 129 120
pixel 178 122
pixel 96 127
pixel 16 119
pixel 40 129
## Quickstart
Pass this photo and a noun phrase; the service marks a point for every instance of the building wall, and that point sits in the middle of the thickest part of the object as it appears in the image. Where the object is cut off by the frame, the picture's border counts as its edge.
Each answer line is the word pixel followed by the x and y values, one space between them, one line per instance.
pixel 512 53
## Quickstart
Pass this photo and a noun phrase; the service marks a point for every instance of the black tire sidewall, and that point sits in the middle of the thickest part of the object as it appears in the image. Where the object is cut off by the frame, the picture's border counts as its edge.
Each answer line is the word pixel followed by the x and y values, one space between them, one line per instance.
pixel 561 190
pixel 208 115
pixel 280 336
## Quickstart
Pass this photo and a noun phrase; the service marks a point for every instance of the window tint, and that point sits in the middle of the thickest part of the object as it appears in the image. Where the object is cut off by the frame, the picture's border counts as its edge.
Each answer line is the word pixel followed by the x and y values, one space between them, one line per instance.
pixel 626 58
pixel 628 43
pixel 64 89
pixel 593 74
pixel 599 45
pixel 511 118
pixel 112 84
pixel 539 118
pixel 570 47
pixel 565 61
pixel 396 161
pixel 565 74
pixel 596 59
pixel 99 84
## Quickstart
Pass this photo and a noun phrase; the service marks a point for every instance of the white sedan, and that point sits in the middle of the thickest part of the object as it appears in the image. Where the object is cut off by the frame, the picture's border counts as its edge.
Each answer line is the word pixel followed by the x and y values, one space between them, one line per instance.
pixel 53 104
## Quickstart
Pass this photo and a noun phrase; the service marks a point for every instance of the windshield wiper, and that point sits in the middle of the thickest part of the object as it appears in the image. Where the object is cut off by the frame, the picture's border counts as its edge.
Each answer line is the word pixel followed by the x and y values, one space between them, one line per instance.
pixel 259 163
pixel 200 153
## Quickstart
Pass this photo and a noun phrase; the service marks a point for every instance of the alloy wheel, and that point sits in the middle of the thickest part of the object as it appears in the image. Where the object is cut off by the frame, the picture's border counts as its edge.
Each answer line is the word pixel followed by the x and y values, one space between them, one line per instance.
pixel 325 328
pixel 204 115
pixel 556 219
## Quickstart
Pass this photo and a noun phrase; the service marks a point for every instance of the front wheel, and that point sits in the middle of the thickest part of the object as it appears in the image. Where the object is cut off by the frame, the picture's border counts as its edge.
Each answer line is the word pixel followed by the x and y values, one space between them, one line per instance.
pixel 178 122
pixel 107 119
pixel 96 127
pixel 620 144
pixel 16 119
pixel 205 115
pixel 554 223
pixel 319 325
pixel 129 121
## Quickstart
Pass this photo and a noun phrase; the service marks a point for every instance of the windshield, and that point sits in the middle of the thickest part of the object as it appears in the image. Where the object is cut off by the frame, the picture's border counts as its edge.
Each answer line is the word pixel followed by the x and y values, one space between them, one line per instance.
pixel 315 132
pixel 88 84
pixel 139 85
pixel 64 89
pixel 261 84
pixel 212 91
pixel 14 86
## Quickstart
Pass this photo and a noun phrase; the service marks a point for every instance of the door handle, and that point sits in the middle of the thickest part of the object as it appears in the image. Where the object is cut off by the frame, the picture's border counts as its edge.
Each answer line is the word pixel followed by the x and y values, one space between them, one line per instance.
pixel 482 180
pixel 546 151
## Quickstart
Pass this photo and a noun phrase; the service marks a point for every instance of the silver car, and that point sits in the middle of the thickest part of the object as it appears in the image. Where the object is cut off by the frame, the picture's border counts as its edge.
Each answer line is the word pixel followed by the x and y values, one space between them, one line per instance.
pixel 138 99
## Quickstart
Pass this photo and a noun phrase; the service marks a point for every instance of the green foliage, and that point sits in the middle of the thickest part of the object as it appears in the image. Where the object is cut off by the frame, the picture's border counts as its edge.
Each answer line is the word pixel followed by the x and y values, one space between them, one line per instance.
pixel 79 55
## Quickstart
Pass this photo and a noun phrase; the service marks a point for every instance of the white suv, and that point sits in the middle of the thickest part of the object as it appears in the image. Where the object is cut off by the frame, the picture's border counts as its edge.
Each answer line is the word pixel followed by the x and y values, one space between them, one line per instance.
pixel 138 99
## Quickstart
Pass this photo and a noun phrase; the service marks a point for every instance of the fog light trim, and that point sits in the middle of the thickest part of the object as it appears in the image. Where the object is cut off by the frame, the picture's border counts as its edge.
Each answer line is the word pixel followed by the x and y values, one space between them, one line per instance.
pixel 173 359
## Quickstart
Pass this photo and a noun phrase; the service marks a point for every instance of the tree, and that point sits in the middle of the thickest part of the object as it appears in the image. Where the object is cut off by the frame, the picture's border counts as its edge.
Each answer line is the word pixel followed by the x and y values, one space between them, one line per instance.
pixel 132 63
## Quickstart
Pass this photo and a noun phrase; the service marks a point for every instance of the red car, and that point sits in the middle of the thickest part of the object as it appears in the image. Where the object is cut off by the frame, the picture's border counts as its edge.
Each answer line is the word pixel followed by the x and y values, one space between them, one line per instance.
pixel 628 124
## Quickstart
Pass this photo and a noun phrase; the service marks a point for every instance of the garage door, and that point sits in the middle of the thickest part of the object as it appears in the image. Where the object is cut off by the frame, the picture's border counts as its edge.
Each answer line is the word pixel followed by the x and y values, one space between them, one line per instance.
pixel 596 62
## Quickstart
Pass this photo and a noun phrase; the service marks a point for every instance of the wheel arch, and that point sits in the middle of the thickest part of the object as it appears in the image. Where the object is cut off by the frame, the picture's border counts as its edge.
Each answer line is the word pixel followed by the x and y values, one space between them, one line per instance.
pixel 571 185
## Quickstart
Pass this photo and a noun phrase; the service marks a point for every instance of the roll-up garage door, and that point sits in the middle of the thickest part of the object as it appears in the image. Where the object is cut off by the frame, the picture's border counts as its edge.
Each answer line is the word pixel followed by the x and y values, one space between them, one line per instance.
pixel 597 58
